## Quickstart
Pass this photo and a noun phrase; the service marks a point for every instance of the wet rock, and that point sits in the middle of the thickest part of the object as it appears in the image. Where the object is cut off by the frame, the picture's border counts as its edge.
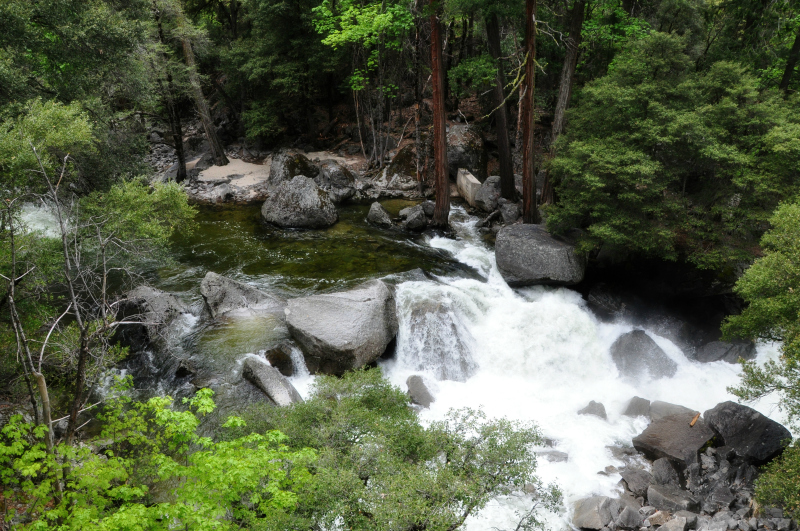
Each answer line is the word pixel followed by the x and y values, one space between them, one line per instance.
pixel 280 357
pixel 528 255
pixel 153 308
pixel 378 216
pixel 591 513
pixel 344 330
pixel 594 408
pixel 488 194
pixel 468 186
pixel 270 381
pixel 287 165
pixel 750 434
pixel 416 220
pixel 659 410
pixel 637 407
pixel 337 180
pixel 428 207
pixel 724 351
pixel 299 203
pixel 223 295
pixel 509 211
pixel 673 438
pixel 636 354
pixel 664 473
pixel 418 391
pixel 465 149
pixel 671 498
pixel 607 303
pixel 637 480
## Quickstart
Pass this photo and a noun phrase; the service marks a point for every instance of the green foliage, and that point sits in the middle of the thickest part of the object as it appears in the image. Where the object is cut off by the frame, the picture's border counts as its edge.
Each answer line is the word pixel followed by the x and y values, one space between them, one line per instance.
pixel 150 469
pixel 779 483
pixel 771 287
pixel 476 74
pixel 668 161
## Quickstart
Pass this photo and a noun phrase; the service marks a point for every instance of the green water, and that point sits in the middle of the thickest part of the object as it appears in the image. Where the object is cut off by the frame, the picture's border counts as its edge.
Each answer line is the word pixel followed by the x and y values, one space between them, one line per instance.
pixel 234 242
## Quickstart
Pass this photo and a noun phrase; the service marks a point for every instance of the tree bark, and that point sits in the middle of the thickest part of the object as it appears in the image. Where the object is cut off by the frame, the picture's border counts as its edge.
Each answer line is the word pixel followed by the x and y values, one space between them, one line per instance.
pixel 173 117
pixel 441 210
pixel 791 63
pixel 530 213
pixel 217 150
pixel 418 94
pixel 507 189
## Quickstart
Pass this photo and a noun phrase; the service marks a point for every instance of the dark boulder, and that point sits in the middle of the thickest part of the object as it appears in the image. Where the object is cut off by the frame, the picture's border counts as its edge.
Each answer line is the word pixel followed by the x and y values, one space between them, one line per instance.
pixel 280 357
pixel 637 480
pixel 664 473
pixel 416 220
pixel 378 216
pixel 465 149
pixel 509 211
pixel 488 194
pixel 151 307
pixel 343 330
pixel 337 180
pixel 638 407
pixel 728 352
pixel 223 295
pixel 418 391
pixel 671 498
pixel 659 410
pixel 672 437
pixel 528 255
pixel 594 408
pixel 287 165
pixel 636 355
pixel 299 203
pixel 750 434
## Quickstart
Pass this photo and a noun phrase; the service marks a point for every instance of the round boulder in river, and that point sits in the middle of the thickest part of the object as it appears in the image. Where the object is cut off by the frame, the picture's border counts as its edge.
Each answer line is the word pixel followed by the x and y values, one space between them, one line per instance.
pixel 528 255
pixel 636 354
pixel 299 203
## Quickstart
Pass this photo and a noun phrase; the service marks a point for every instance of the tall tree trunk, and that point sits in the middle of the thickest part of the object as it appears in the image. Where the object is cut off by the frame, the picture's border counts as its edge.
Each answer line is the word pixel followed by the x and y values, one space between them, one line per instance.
pixel 507 189
pixel 791 63
pixel 173 118
pixel 441 211
pixel 418 94
pixel 217 150
pixel 565 88
pixel 530 213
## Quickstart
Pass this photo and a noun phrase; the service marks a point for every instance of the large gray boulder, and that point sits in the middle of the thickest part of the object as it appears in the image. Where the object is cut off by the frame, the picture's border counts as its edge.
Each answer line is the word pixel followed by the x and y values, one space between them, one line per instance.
pixel 636 354
pixel 416 220
pixel 378 216
pixel 148 311
pixel 752 436
pixel 299 203
pixel 337 180
pixel 345 330
pixel 223 295
pixel 465 149
pixel 637 480
pixel 638 407
pixel 270 381
pixel 592 513
pixel 674 438
pixel 728 352
pixel 594 408
pixel 487 195
pixel 528 255
pixel 671 498
pixel 418 391
pixel 287 165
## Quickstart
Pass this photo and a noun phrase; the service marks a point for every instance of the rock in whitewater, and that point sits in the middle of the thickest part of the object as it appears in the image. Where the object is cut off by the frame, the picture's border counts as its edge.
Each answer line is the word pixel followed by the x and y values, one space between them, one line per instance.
pixel 223 295
pixel 636 355
pixel 528 255
pixel 672 437
pixel 637 407
pixel 299 203
pixel 345 330
pixel 152 306
pixel 594 408
pixel 337 180
pixel 270 381
pixel 378 216
pixel 637 480
pixel 671 498
pixel 728 352
pixel 659 410
pixel 487 195
pixel 591 513
pixel 418 391
pixel 280 357
pixel 467 185
pixel 286 166
pixel 750 434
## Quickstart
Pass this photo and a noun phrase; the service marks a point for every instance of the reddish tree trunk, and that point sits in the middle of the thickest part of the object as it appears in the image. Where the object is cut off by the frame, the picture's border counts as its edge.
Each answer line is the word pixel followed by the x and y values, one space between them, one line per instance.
pixel 507 189
pixel 529 211
pixel 441 211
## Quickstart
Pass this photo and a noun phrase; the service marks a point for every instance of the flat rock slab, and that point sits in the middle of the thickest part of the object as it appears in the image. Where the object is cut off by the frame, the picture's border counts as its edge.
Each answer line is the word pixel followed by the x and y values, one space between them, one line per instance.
pixel 673 438
pixel 223 295
pixel 345 330
pixel 671 498
pixel 528 255
pixel 751 435
pixel 270 381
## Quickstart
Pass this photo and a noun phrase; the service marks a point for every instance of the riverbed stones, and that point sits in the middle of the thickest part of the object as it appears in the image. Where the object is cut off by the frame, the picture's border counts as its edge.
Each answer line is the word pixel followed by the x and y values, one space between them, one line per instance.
pixel 418 391
pixel 727 352
pixel 299 203
pixel 337 180
pixel 750 434
pixel 270 381
pixel 287 165
pixel 664 472
pixel 528 255
pixel 636 354
pixel 416 220
pixel 591 513
pixel 344 330
pixel 671 498
pixel 467 185
pixel 637 407
pixel 594 408
pixel 678 523
pixel 487 195
pixel 223 295
pixel 379 216
pixel 672 437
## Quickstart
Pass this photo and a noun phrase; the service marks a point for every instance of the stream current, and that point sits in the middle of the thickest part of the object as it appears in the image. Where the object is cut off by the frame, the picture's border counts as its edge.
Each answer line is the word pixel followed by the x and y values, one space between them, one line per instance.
pixel 533 354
